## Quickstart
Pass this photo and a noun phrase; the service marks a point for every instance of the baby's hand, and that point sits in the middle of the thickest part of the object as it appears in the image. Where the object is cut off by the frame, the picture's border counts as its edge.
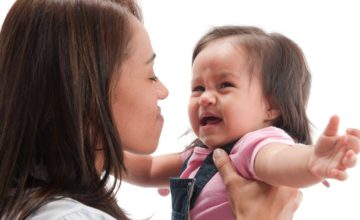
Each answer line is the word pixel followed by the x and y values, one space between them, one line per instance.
pixel 333 154
pixel 163 191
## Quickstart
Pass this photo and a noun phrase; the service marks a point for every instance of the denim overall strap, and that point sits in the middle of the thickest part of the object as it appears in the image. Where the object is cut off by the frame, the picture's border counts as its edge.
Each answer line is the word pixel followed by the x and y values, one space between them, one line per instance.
pixel 206 172
pixel 181 191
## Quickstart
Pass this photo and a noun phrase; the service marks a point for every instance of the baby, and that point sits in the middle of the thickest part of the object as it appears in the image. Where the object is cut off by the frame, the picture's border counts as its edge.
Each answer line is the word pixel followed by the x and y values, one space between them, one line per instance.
pixel 249 96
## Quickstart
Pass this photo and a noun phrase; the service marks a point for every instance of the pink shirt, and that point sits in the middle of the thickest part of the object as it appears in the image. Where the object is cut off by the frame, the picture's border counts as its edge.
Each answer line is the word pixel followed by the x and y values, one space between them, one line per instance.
pixel 212 203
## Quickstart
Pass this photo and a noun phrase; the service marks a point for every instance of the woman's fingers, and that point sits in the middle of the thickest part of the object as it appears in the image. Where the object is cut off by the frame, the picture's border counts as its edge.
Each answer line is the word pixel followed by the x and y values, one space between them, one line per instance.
pixel 226 170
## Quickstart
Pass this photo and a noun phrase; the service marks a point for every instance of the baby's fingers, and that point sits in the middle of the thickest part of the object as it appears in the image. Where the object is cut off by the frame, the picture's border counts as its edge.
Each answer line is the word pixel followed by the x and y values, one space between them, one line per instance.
pixel 353 131
pixel 349 159
pixel 163 192
pixel 352 142
pixel 338 174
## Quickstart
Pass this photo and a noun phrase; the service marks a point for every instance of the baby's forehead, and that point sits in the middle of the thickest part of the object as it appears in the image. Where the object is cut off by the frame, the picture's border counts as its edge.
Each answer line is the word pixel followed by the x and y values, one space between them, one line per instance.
pixel 245 48
pixel 241 44
pixel 234 40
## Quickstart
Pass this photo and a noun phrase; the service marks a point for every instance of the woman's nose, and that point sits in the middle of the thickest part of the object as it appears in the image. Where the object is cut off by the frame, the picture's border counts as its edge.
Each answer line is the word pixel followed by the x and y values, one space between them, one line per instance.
pixel 163 92
pixel 207 98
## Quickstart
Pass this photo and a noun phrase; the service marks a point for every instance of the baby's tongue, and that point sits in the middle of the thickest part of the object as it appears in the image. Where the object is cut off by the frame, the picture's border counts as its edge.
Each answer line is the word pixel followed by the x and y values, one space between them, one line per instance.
pixel 213 120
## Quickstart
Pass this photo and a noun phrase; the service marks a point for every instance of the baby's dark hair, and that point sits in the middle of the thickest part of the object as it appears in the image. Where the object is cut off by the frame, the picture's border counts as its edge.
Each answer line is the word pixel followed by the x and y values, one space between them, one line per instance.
pixel 283 71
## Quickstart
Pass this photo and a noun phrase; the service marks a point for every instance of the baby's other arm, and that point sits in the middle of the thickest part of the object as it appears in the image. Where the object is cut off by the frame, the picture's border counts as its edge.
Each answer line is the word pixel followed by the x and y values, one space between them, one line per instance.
pixel 151 171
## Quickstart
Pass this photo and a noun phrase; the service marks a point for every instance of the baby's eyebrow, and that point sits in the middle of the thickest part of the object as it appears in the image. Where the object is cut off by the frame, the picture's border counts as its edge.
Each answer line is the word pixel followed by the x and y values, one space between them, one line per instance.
pixel 226 74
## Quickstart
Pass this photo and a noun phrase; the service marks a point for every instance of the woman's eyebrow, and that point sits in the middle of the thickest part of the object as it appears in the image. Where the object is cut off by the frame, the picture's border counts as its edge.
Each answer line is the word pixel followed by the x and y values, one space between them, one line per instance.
pixel 151 59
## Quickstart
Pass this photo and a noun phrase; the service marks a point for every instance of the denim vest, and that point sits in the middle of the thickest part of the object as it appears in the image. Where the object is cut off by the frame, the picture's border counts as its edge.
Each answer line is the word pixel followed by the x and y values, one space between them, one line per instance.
pixel 184 192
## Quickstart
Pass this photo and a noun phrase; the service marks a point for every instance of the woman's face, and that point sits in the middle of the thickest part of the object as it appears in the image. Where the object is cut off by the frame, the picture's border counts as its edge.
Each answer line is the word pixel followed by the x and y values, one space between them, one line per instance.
pixel 135 96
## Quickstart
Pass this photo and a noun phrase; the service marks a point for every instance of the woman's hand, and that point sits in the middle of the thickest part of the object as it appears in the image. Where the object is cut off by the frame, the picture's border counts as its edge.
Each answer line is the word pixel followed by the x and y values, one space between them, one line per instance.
pixel 255 200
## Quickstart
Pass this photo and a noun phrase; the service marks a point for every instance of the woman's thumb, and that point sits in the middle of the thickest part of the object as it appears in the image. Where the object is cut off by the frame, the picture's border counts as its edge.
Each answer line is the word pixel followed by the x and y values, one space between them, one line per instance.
pixel 224 166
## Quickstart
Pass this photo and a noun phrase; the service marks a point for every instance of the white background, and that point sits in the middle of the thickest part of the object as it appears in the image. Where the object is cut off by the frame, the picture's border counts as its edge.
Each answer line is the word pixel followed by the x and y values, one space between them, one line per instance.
pixel 327 31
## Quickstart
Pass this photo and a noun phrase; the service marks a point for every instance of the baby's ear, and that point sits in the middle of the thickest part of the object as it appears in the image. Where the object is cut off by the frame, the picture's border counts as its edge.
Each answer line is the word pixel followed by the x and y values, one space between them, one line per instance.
pixel 272 113
pixel 272 110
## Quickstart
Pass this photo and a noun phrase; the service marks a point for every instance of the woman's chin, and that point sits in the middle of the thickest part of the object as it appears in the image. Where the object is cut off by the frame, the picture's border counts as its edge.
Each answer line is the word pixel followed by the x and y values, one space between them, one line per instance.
pixel 142 151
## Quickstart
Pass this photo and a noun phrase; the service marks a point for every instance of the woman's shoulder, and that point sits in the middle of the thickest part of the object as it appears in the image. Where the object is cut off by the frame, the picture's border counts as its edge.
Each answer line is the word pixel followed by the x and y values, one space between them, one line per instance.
pixel 68 209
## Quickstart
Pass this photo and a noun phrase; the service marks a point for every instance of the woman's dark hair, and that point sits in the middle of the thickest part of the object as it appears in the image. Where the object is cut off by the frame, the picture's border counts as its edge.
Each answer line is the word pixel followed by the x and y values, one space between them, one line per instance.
pixel 283 71
pixel 57 59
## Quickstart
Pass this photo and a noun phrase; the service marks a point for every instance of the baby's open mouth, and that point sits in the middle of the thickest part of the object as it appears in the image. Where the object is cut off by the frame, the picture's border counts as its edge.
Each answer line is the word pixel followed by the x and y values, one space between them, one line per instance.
pixel 210 120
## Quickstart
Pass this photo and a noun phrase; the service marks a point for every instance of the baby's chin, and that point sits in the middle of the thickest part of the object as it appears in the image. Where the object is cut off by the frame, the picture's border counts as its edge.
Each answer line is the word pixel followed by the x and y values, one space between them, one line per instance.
pixel 212 145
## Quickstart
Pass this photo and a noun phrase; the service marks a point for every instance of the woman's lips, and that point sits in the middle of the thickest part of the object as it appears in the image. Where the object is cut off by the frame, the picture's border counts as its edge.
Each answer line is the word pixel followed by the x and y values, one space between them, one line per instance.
pixel 159 116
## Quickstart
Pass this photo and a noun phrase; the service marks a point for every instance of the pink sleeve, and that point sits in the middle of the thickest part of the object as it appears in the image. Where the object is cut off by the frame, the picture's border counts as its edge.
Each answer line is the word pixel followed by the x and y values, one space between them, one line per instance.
pixel 244 152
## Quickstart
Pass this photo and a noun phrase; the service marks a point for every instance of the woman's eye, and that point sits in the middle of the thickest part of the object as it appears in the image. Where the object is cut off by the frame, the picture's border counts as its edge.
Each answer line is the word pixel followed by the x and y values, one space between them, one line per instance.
pixel 226 84
pixel 198 89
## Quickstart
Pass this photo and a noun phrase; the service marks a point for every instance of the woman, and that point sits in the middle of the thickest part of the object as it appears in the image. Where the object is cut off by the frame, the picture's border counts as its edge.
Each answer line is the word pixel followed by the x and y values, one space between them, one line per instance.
pixel 77 88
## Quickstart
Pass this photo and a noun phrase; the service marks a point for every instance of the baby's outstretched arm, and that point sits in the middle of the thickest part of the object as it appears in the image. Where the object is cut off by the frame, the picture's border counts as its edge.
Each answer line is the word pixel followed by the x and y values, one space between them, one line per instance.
pixel 151 171
pixel 301 166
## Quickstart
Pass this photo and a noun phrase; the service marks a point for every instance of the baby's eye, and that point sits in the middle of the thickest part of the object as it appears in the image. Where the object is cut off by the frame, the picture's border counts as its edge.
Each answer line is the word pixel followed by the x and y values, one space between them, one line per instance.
pixel 154 78
pixel 198 89
pixel 226 84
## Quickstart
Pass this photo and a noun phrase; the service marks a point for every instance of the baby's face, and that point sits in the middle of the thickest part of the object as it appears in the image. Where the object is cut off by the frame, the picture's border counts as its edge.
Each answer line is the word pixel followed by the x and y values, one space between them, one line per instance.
pixel 227 100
